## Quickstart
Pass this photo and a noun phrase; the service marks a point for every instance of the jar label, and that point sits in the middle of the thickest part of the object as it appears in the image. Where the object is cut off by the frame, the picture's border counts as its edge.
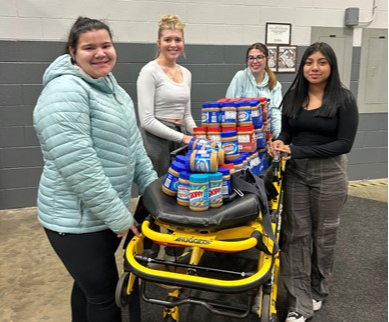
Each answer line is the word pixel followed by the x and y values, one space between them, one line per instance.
pixel 244 116
pixel 215 192
pixel 204 117
pixel 230 147
pixel 171 182
pixel 213 117
pixel 198 196
pixel 244 138
pixel 201 144
pixel 183 192
pixel 201 163
pixel 214 137
pixel 228 116
pixel 226 190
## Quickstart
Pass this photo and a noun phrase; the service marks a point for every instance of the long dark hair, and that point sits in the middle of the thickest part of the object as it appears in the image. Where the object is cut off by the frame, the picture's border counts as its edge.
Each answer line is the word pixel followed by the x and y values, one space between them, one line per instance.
pixel 263 48
pixel 82 25
pixel 334 93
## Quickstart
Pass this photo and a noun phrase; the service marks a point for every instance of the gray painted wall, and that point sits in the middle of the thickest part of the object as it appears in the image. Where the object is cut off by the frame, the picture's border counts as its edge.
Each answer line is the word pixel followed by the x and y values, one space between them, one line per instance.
pixel 22 64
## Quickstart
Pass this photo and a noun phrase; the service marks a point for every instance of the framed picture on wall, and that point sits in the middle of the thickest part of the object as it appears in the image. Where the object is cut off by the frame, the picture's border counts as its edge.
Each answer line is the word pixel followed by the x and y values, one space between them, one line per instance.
pixel 272 60
pixel 287 59
pixel 278 33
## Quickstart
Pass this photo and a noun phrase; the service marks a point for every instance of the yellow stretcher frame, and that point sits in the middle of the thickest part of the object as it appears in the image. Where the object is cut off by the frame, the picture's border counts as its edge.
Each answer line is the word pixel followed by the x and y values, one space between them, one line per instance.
pixel 236 239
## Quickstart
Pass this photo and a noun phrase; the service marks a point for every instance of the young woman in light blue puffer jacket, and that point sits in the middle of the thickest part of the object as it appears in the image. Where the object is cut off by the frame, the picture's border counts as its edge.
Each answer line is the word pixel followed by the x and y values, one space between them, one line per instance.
pixel 92 152
pixel 257 80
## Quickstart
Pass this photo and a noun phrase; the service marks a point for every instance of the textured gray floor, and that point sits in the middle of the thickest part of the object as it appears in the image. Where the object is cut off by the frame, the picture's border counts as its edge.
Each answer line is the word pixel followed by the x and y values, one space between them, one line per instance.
pixel 359 291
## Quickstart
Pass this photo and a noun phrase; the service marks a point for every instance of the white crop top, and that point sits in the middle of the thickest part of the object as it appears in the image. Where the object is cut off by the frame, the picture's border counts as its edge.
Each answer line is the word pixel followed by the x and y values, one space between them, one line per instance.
pixel 160 97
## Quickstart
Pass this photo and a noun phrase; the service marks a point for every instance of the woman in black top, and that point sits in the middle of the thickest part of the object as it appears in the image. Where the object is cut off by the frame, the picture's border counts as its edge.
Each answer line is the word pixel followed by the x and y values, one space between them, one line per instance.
pixel 319 124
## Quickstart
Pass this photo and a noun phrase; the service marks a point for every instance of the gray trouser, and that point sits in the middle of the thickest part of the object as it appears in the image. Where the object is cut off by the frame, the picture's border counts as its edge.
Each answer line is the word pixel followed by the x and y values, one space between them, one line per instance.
pixel 158 149
pixel 315 191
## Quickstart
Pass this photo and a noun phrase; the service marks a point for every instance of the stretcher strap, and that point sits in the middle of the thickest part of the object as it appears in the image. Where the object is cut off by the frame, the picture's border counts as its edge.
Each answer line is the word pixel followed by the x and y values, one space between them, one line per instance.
pixel 246 181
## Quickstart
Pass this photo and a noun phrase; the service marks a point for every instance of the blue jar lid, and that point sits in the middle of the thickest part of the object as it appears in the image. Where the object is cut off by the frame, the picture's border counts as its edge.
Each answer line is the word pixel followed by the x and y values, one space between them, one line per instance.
pixel 187 155
pixel 228 104
pixel 254 102
pixel 258 125
pixel 185 175
pixel 214 104
pixel 187 165
pixel 224 171
pixel 191 142
pixel 181 158
pixel 236 161
pixel 199 178
pixel 243 103
pixel 215 176
pixel 206 105
pixel 228 134
pixel 177 166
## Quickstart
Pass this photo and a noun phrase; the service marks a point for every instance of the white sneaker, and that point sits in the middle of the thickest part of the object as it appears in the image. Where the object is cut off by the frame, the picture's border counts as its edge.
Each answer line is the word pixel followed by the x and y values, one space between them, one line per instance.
pixel 317 304
pixel 295 317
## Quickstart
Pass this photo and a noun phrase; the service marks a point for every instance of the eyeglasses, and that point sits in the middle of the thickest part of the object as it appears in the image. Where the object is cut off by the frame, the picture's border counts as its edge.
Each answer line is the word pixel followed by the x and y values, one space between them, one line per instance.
pixel 258 58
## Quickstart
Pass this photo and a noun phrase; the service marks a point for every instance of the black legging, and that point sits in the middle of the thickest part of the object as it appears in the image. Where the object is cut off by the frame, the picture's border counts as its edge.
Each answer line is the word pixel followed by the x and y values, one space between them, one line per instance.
pixel 90 260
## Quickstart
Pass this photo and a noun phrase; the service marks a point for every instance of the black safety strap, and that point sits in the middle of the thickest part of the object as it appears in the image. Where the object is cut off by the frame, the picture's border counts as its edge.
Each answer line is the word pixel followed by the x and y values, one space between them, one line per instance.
pixel 256 187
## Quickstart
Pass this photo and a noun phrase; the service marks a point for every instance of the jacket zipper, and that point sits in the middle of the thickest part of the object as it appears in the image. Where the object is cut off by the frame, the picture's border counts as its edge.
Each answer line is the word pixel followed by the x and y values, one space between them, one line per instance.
pixel 81 208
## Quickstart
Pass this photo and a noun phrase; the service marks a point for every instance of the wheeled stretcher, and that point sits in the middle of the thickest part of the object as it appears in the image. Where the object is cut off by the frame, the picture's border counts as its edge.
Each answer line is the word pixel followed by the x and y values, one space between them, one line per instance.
pixel 236 228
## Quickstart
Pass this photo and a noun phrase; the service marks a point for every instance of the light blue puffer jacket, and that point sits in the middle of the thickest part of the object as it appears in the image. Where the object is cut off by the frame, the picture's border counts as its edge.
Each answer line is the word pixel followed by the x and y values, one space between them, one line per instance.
pixel 92 152
pixel 244 85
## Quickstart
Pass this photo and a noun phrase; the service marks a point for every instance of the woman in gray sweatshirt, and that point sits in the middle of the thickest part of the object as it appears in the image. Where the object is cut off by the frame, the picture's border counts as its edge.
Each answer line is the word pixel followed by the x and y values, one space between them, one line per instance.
pixel 163 90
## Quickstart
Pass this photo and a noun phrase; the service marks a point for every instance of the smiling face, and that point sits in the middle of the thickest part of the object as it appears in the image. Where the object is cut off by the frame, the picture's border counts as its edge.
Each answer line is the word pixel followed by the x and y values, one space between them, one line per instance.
pixel 95 53
pixel 256 61
pixel 317 69
pixel 171 44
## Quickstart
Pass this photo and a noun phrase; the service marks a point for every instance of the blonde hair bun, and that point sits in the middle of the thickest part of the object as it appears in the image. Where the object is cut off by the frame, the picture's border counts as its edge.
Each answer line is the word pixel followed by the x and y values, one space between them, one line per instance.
pixel 174 20
pixel 170 22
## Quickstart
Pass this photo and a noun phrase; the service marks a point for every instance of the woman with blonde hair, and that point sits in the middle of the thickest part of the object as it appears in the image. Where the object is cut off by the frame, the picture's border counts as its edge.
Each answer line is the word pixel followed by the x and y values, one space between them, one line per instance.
pixel 258 80
pixel 163 89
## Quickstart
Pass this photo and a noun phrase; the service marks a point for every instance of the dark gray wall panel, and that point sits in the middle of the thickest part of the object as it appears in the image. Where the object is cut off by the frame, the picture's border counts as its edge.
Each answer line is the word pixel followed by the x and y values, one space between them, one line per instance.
pixel 19 178
pixel 10 94
pixel 16 115
pixel 12 136
pixel 9 51
pixel 40 51
pixel 23 157
pixel 18 198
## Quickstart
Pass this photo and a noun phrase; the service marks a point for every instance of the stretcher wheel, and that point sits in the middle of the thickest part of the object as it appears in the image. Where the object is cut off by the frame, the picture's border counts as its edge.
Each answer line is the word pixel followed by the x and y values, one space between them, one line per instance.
pixel 121 296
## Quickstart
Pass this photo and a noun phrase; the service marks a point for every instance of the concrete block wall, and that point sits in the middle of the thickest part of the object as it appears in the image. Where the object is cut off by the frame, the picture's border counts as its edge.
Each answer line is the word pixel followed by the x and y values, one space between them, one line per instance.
pixel 217 34
pixel 233 22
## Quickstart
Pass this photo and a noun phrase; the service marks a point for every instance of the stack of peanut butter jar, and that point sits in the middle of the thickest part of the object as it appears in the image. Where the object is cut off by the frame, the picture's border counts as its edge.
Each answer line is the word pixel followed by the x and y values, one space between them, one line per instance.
pixel 233 136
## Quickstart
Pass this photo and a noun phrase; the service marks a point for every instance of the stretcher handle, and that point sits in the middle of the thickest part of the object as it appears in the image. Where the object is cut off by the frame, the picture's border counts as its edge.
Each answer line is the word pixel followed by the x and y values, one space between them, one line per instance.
pixel 197 239
pixel 178 151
